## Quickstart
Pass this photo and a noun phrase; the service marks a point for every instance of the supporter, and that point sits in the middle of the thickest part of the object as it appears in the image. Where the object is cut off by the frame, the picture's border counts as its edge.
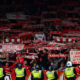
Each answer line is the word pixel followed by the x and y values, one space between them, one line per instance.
pixel 77 69
pixel 8 68
pixel 62 67
pixel 26 66
pixel 34 61
pixel 34 66
pixel 56 63
pixel 44 57
pixel 52 65
pixel 19 58
pixel 40 59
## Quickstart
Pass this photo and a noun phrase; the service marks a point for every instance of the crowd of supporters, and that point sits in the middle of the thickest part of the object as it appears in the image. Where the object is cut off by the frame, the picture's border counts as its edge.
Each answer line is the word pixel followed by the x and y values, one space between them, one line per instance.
pixel 32 31
pixel 42 61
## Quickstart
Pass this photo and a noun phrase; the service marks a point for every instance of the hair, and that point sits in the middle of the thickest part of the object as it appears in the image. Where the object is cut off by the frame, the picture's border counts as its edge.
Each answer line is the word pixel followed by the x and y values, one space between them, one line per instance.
pixel 45 49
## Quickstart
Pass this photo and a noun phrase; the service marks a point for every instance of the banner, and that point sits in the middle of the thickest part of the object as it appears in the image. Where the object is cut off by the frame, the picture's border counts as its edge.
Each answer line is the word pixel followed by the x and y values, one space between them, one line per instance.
pixel 12 47
pixel 75 56
pixel 64 39
pixel 30 56
pixel 15 40
pixel 49 48
pixel 39 36
pixel 14 16
pixel 26 34
pixel 58 55
pixel 61 76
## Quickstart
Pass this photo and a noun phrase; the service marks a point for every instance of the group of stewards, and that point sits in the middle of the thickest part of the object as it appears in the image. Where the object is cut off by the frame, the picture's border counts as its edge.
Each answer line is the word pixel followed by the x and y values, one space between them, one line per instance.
pixel 38 74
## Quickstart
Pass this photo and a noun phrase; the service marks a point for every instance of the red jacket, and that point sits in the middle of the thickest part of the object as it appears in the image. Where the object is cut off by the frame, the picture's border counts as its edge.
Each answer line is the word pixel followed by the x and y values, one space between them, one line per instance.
pixel 77 70
pixel 8 68
pixel 20 60
pixel 27 68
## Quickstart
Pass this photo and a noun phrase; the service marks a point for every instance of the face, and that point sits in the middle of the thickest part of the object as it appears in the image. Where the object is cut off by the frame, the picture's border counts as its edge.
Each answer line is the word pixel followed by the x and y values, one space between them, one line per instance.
pixel 25 62
pixel 34 64
pixel 18 56
pixel 62 64
pixel 79 66
pixel 7 64
pixel 52 63
pixel 44 51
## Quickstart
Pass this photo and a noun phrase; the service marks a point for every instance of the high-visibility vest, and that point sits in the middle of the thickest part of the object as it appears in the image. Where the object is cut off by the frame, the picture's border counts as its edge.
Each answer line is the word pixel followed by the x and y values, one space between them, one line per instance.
pixel 50 75
pixel 36 74
pixel 69 72
pixel 1 72
pixel 19 72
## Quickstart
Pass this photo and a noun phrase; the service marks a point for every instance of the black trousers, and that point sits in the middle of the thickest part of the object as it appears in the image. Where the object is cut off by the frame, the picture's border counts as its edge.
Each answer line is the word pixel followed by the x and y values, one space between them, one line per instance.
pixel 2 78
pixel 23 78
pixel 72 78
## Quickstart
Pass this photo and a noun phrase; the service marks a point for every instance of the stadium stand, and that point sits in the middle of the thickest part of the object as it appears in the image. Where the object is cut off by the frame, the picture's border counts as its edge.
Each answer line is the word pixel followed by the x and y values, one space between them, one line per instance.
pixel 42 31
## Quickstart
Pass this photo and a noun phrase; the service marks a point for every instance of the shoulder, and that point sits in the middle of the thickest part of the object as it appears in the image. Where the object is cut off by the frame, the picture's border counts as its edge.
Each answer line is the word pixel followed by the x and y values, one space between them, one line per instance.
pixel 23 68
pixel 2 68
pixel 47 72
pixel 41 71
pixel 21 58
pixel 16 69
pixel 33 71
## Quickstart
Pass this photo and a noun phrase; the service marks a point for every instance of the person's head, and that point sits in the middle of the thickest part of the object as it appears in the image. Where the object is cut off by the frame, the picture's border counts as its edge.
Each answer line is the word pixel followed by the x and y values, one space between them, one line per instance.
pixel 52 63
pixel 19 54
pixel 25 62
pixel 69 63
pixel 50 68
pixel 37 67
pixel 7 64
pixel 0 64
pixel 34 64
pixel 45 51
pixel 62 65
pixel 20 65
pixel 79 66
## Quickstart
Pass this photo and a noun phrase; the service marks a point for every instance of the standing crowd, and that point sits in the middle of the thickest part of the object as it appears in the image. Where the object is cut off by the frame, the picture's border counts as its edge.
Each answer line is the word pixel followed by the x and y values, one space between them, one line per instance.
pixel 21 67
